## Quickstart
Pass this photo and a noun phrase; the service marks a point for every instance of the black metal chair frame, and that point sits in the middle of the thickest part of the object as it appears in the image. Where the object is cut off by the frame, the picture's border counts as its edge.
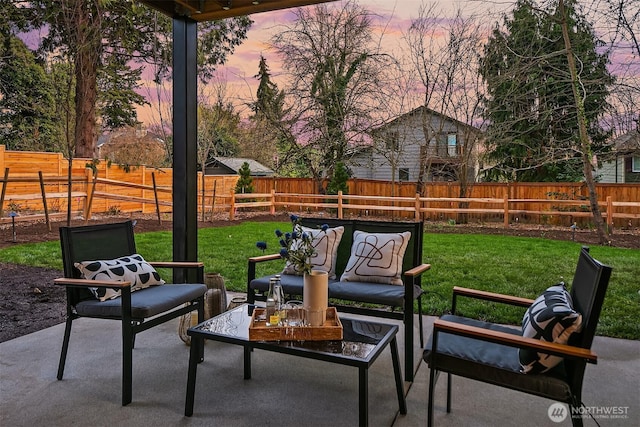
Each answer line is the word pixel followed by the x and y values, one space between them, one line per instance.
pixel 110 241
pixel 588 290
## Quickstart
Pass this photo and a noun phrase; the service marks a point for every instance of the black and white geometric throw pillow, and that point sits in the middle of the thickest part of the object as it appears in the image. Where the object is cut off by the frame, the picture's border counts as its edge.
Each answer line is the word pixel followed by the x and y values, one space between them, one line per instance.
pixel 376 257
pixel 550 318
pixel 131 268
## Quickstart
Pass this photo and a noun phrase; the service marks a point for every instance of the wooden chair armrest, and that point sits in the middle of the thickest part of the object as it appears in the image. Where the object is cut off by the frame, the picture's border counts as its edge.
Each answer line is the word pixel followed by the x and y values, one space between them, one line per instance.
pixel 491 296
pixel 511 340
pixel 176 264
pixel 86 283
pixel 263 258
pixel 418 270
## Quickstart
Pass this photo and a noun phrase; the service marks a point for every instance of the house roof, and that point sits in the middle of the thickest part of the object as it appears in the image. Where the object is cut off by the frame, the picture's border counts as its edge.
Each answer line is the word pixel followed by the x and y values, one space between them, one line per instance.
pixel 628 143
pixel 424 109
pixel 235 163
pixel 127 133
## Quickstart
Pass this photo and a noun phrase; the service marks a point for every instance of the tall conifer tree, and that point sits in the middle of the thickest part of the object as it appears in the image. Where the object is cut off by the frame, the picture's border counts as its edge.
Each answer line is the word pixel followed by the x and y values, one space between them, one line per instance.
pixel 533 131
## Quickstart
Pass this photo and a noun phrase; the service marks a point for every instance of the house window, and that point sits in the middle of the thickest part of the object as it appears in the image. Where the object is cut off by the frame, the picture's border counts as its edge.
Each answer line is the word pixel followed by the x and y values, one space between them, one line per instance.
pixel 392 139
pixel 635 164
pixel 452 144
pixel 403 174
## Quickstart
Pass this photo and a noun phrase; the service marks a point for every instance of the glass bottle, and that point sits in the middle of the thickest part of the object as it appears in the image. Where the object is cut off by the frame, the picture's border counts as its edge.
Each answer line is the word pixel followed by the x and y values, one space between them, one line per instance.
pixel 271 304
pixel 278 296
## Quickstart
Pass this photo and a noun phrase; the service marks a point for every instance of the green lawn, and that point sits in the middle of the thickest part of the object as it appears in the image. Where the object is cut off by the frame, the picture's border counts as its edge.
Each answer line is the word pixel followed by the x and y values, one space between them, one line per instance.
pixel 514 265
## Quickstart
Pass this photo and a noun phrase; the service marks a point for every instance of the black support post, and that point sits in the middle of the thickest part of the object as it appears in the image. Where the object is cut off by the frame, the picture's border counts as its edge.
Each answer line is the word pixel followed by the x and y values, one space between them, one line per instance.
pixel 185 103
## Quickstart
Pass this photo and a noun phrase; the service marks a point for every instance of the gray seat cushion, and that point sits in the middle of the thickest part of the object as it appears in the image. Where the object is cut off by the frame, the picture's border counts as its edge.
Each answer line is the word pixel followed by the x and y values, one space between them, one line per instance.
pixel 493 363
pixel 374 293
pixel 145 302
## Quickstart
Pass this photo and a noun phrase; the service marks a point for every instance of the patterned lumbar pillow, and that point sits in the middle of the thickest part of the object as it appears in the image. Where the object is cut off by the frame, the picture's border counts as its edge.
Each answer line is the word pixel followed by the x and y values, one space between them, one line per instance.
pixel 550 318
pixel 325 244
pixel 376 257
pixel 131 268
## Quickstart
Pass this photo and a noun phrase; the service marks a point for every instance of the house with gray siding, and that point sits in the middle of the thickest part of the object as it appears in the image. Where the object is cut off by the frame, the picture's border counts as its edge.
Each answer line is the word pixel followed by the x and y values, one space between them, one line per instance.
pixel 420 146
pixel 622 165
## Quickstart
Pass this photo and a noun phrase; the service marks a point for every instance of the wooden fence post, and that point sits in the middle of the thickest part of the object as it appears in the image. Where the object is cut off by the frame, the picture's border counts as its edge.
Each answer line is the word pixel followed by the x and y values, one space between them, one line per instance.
pixel 44 201
pixel 213 198
pixel 610 213
pixel 233 206
pixel 273 202
pixel 155 194
pixel 417 207
pixel 90 190
pixel 340 214
pixel 4 189
pixel 506 210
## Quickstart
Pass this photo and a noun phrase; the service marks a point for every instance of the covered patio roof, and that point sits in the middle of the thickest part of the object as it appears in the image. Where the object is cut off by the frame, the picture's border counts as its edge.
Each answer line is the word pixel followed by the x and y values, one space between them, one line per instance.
pixel 186 14
pixel 211 10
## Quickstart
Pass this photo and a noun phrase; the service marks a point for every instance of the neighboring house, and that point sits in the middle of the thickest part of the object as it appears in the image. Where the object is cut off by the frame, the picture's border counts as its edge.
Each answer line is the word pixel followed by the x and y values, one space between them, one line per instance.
pixel 622 165
pixel 231 166
pixel 132 146
pixel 400 150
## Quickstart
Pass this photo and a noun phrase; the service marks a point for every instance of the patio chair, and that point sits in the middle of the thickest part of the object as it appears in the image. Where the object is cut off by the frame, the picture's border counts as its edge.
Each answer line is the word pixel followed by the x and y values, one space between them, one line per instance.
pixel 137 311
pixel 489 352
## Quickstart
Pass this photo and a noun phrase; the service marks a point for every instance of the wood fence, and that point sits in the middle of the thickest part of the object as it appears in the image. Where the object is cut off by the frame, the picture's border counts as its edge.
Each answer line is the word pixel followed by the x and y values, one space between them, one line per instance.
pixel 424 208
pixel 541 203
pixel 34 185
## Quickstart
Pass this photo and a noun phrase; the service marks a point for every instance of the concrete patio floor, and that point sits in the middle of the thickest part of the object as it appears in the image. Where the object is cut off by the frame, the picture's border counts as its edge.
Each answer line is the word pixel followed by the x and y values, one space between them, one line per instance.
pixel 284 391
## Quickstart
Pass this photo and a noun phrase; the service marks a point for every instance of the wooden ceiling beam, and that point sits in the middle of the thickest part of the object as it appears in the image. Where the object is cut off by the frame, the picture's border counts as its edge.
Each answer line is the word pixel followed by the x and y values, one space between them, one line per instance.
pixel 212 10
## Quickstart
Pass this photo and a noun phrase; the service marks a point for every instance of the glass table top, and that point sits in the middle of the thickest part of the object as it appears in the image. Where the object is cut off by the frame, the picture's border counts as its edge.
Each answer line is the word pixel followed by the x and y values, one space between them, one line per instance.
pixel 360 337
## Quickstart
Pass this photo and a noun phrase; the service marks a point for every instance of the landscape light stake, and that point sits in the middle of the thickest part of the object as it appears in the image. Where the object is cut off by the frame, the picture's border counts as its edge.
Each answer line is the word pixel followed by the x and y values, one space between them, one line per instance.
pixel 13 225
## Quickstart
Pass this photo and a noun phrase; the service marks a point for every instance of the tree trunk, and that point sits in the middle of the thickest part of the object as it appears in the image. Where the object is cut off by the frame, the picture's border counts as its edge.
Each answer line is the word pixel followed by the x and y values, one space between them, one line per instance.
pixel 86 71
pixel 585 143
pixel 69 183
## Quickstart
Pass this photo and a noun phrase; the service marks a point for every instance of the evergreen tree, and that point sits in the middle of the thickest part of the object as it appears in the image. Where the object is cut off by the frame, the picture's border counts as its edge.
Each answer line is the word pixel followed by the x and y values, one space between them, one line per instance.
pixel 339 180
pixel 116 95
pixel 533 131
pixel 245 182
pixel 268 133
pixel 107 36
pixel 269 102
pixel 27 107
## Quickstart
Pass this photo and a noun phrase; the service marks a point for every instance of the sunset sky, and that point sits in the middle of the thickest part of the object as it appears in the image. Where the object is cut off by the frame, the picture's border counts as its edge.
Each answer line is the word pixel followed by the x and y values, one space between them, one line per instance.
pixel 394 16
pixel 391 18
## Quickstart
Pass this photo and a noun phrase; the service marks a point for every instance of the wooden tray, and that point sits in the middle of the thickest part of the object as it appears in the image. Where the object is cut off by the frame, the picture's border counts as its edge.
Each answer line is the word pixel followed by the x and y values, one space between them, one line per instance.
pixel 330 331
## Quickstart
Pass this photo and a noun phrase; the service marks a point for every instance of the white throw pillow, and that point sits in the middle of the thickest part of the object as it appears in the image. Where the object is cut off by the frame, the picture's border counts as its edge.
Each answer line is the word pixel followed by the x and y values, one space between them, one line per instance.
pixel 131 268
pixel 325 244
pixel 376 257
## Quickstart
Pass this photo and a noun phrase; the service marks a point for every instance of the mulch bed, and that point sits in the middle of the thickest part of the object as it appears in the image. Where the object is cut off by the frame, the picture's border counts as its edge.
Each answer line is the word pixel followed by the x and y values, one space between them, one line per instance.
pixel 30 302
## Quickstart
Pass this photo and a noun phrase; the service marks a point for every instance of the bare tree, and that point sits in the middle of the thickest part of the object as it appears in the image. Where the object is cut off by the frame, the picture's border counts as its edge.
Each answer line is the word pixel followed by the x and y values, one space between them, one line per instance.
pixel 334 65
pixel 391 137
pixel 617 22
pixel 62 68
pixel 585 140
pixel 444 55
pixel 217 124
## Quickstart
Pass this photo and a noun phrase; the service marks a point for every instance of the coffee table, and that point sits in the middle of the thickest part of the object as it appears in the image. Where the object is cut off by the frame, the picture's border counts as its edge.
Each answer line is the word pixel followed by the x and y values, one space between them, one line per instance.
pixel 362 343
